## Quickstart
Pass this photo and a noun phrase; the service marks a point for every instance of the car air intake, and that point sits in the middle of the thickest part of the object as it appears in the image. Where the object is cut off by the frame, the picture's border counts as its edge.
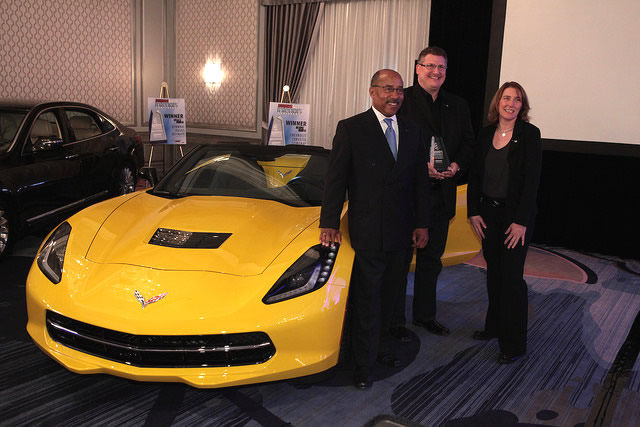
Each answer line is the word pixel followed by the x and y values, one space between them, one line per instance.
pixel 188 239
pixel 161 351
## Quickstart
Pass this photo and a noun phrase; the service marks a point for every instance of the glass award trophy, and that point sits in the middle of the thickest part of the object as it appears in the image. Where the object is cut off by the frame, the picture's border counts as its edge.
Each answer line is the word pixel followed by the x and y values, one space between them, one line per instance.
pixel 275 134
pixel 438 154
pixel 156 127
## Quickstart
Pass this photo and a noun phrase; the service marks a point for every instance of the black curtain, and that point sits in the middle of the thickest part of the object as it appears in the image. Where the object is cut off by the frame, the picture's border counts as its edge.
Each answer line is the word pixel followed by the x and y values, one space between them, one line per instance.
pixel 289 30
pixel 464 30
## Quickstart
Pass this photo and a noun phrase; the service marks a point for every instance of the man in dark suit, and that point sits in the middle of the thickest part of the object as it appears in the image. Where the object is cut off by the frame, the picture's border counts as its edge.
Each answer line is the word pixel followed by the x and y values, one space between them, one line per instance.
pixel 439 114
pixel 381 162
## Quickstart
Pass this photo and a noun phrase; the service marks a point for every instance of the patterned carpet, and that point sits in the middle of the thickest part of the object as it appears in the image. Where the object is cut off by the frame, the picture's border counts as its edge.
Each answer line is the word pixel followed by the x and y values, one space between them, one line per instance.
pixel 581 367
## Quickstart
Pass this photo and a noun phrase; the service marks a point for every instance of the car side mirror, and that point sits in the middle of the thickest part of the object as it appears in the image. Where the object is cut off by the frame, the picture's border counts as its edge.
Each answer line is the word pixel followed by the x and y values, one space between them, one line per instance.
pixel 150 174
pixel 44 143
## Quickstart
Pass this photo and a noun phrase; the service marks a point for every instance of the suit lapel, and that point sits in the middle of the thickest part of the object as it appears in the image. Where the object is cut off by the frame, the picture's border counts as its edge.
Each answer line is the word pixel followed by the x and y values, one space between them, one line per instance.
pixel 488 143
pixel 403 145
pixel 515 137
pixel 374 133
pixel 513 143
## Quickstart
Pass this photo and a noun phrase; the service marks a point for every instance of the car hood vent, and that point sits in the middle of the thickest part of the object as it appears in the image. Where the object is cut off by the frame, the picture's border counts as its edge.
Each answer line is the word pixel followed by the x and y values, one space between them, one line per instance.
pixel 187 239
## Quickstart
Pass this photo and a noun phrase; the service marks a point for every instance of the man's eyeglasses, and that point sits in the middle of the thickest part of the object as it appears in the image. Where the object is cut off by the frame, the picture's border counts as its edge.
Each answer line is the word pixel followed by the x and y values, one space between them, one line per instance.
pixel 432 67
pixel 389 89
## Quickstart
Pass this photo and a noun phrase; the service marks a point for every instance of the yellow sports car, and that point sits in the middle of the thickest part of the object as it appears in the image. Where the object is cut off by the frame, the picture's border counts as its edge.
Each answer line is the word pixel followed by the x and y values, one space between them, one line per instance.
pixel 215 277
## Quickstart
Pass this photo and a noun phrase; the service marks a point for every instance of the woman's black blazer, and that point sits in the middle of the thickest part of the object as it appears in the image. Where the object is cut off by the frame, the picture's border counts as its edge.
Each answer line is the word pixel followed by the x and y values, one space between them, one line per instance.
pixel 525 159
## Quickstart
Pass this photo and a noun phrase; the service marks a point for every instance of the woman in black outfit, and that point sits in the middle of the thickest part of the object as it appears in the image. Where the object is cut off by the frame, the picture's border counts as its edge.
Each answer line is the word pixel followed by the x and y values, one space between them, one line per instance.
pixel 501 203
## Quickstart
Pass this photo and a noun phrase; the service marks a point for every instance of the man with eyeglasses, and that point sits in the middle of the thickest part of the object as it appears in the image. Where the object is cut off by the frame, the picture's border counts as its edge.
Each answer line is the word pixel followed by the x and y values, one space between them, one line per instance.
pixel 440 114
pixel 381 161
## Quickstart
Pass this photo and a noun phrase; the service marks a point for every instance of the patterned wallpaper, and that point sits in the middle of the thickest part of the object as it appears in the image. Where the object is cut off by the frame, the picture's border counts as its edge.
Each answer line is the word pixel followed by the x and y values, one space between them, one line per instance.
pixel 75 50
pixel 224 31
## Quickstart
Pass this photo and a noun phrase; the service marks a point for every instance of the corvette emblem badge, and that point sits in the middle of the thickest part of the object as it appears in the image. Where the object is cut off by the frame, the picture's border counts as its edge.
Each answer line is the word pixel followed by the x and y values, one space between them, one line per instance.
pixel 151 300
pixel 283 174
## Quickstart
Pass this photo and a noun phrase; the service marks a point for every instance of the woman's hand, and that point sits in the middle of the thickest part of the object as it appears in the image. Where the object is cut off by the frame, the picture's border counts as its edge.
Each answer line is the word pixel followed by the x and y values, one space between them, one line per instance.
pixel 515 233
pixel 478 225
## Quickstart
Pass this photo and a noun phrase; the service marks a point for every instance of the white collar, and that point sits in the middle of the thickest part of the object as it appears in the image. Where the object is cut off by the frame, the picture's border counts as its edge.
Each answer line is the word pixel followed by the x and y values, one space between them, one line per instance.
pixel 381 116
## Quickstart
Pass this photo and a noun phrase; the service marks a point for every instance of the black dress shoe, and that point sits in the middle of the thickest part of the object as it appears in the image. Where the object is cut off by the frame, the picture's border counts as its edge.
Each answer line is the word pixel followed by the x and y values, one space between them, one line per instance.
pixel 362 378
pixel 506 359
pixel 432 326
pixel 482 336
pixel 389 359
pixel 400 333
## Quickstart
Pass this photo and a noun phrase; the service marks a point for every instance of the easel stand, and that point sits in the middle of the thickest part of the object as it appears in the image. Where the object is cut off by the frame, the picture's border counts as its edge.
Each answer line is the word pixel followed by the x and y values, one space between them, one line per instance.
pixel 164 93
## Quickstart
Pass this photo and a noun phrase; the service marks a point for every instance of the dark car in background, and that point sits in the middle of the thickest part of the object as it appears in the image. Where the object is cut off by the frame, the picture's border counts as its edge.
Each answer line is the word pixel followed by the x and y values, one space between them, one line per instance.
pixel 56 158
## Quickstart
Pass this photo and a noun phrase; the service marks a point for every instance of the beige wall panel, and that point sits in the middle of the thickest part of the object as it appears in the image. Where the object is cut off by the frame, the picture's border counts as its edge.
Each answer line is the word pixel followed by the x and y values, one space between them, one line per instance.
pixel 224 31
pixel 75 50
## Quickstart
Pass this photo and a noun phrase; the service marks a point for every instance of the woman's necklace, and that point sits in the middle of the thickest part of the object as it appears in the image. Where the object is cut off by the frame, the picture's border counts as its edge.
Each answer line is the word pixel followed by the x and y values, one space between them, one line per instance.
pixel 504 132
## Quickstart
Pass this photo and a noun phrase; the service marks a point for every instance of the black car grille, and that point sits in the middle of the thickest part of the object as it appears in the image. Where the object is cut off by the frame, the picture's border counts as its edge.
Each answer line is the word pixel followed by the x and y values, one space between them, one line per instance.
pixel 161 351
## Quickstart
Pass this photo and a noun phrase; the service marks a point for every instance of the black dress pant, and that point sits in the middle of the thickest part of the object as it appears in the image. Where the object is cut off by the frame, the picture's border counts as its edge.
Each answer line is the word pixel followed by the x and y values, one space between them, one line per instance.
pixel 507 290
pixel 428 261
pixel 373 291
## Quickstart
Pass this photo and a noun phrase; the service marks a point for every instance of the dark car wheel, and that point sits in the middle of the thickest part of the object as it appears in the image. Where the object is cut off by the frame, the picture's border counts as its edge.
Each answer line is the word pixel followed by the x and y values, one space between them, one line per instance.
pixel 126 181
pixel 6 230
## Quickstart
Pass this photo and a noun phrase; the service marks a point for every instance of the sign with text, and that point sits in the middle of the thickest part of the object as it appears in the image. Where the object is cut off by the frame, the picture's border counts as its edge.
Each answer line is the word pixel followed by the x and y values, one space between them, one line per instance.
pixel 288 124
pixel 167 122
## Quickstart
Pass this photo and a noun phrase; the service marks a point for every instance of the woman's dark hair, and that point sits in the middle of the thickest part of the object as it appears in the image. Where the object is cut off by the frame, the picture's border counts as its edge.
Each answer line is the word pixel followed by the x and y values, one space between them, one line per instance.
pixel 495 102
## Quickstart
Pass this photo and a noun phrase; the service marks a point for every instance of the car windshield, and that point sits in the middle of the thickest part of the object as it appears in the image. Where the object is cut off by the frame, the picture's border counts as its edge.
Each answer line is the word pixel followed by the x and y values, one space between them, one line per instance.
pixel 9 124
pixel 292 175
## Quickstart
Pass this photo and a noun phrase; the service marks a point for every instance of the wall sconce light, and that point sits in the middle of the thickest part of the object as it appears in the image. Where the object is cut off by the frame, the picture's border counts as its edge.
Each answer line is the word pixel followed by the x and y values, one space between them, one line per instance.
pixel 212 74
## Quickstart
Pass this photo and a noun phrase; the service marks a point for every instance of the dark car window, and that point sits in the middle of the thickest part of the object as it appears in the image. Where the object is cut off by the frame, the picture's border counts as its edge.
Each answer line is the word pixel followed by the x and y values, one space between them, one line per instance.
pixel 83 124
pixel 293 178
pixel 45 127
pixel 9 124
pixel 105 124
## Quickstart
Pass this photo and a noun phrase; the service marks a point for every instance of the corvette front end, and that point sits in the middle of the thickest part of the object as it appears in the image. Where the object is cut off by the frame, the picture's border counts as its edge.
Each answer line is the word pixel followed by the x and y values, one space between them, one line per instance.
pixel 206 290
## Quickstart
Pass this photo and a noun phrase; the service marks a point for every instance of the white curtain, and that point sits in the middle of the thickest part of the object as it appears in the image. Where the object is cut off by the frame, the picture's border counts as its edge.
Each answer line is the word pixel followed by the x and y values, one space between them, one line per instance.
pixel 355 39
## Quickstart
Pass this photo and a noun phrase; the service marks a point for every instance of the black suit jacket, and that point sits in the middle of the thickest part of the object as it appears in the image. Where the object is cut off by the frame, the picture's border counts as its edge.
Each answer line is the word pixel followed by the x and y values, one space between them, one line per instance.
pixel 456 129
pixel 525 160
pixel 387 198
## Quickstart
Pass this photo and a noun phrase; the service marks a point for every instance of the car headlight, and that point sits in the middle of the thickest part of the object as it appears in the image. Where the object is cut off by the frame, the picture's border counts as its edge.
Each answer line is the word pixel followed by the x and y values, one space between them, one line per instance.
pixel 51 257
pixel 310 272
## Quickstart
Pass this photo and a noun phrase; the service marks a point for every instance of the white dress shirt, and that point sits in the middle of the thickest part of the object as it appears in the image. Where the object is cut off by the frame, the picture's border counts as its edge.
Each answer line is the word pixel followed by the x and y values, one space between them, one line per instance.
pixel 383 125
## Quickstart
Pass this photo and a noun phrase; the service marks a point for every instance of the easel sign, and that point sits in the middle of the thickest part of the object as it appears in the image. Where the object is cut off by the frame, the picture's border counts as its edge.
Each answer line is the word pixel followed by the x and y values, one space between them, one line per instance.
pixel 288 123
pixel 167 122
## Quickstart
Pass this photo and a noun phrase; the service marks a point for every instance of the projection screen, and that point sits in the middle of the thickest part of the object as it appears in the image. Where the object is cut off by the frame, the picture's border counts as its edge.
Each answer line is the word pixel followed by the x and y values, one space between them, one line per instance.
pixel 579 61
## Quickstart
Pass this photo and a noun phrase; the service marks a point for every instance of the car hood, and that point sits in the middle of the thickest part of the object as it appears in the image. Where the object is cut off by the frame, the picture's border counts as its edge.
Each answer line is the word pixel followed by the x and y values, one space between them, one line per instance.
pixel 258 231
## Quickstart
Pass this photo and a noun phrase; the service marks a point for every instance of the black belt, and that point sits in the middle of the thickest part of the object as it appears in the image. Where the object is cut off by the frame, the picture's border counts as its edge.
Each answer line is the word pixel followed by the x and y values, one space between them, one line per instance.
pixel 493 203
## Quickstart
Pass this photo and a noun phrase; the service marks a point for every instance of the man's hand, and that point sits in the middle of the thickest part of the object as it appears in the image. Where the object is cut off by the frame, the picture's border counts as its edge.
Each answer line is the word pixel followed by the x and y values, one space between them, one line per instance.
pixel 433 173
pixel 515 233
pixel 451 171
pixel 330 236
pixel 478 225
pixel 420 237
